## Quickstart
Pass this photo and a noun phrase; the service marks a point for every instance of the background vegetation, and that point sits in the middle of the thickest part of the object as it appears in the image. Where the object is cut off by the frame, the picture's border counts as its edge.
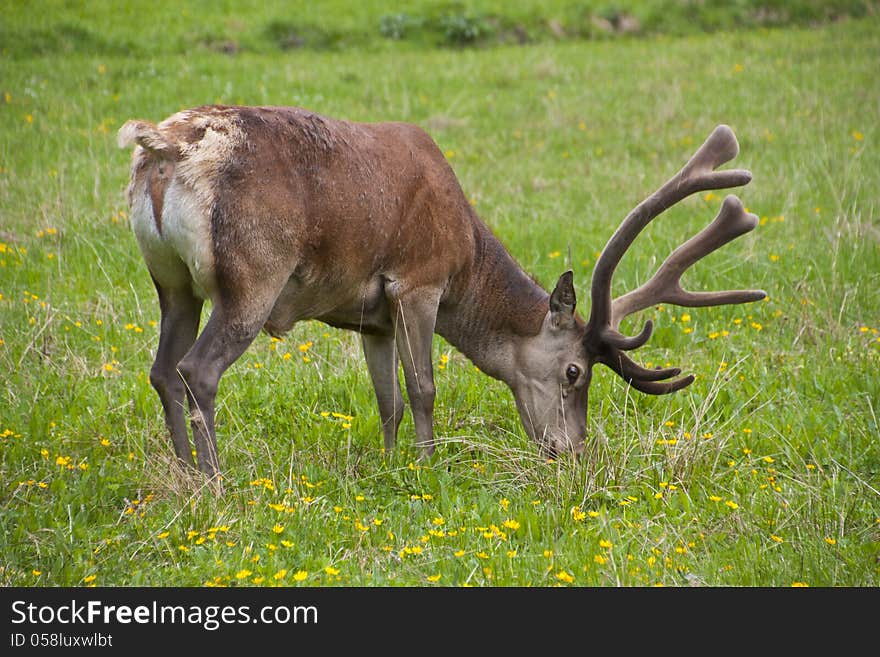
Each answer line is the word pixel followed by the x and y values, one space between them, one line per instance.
pixel 558 117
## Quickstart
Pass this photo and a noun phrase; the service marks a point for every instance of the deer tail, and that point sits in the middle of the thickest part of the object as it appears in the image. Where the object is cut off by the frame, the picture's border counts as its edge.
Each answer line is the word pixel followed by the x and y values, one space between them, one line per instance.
pixel 148 136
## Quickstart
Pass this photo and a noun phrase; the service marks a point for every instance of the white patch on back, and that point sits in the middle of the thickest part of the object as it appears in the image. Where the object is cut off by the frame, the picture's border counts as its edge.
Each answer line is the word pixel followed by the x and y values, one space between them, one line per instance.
pixel 183 253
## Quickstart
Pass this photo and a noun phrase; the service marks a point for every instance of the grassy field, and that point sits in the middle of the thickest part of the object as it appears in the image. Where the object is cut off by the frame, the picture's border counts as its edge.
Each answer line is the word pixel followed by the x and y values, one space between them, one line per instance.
pixel 764 472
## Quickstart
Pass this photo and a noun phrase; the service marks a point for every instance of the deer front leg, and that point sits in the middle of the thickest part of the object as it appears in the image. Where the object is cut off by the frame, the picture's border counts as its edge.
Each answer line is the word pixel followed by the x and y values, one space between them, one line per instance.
pixel 380 352
pixel 178 329
pixel 414 315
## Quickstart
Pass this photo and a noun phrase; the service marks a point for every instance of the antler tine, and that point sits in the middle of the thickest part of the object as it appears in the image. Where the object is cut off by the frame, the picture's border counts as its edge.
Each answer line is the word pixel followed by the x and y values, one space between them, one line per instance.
pixel 697 175
pixel 665 286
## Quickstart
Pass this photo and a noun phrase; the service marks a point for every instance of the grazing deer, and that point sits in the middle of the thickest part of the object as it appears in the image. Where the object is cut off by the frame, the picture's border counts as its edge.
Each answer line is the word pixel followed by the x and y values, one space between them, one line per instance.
pixel 277 214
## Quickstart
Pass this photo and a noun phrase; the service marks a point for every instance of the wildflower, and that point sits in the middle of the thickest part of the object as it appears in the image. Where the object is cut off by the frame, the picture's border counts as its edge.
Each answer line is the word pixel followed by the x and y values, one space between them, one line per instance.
pixel 505 503
pixel 482 555
pixel 278 528
pixel 511 553
pixel 300 575
pixel 554 254
pixel 458 553
pixel 434 578
pixel 89 579
pixel 733 505
pixel 576 514
pixel 799 585
pixel 830 540
pixel 563 576
pixel 36 573
pixel 714 498
pixel 858 136
pixel 599 559
pixel 511 524
pixel 330 570
pixel 548 554
pixel 287 544
pixel 776 539
pixel 605 544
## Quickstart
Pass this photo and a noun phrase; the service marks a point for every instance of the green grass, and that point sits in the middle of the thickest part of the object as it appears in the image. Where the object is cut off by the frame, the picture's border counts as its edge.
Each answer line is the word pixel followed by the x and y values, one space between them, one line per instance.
pixel 777 482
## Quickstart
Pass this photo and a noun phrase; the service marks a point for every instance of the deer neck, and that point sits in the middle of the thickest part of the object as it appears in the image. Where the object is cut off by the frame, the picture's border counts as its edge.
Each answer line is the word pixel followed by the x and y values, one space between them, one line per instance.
pixel 491 306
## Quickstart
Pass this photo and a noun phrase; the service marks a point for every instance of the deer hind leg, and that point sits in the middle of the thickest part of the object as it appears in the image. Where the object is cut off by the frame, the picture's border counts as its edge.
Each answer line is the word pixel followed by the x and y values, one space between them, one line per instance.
pixel 228 333
pixel 380 352
pixel 414 315
pixel 178 329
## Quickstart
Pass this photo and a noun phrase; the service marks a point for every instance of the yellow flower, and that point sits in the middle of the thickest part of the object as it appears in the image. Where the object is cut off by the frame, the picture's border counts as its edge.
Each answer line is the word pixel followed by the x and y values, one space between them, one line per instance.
pixel 330 570
pixel 605 544
pixel 599 559
pixel 458 553
pixel 799 585
pixel 511 524
pixel 776 539
pixel 563 576
pixel 576 514
pixel 714 498
pixel 36 573
pixel 280 574
pixel 505 503
pixel 511 553
pixel 243 574
pixel 830 540
pixel 434 578
pixel 90 578
pixel 278 528
pixel 732 504
pixel 482 555
pixel 300 575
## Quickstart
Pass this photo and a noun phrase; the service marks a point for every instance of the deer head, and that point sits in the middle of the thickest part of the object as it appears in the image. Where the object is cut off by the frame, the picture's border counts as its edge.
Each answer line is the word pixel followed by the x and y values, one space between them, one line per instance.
pixel 554 367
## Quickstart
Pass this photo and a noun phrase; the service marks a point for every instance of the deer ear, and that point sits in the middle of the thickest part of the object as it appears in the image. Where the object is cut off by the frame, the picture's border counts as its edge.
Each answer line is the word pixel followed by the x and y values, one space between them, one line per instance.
pixel 563 301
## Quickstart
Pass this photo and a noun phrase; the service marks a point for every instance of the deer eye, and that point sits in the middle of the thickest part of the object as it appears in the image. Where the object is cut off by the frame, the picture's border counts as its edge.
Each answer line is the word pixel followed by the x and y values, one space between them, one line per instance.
pixel 572 373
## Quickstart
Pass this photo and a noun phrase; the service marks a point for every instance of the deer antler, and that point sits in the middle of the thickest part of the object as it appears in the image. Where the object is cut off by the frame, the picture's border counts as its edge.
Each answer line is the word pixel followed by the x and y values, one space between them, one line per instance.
pixel 602 337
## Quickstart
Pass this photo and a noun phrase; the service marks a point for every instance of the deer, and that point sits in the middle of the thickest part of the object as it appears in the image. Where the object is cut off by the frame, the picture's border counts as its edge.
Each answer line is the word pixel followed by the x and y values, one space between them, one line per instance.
pixel 278 214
